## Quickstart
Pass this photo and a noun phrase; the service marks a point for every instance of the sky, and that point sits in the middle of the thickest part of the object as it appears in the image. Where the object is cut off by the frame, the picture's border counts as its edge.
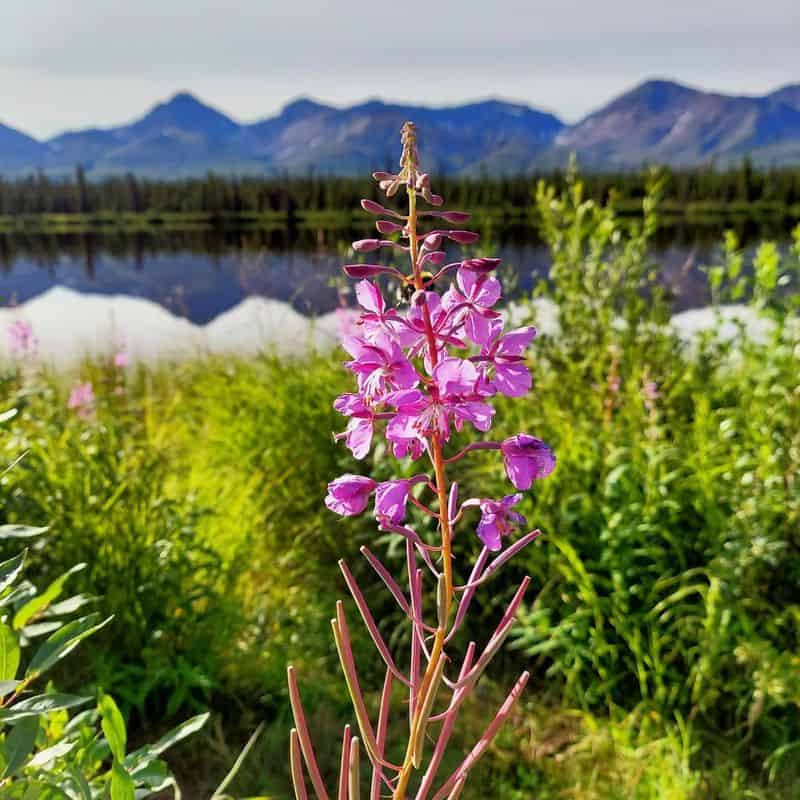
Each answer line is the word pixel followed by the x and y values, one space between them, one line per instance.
pixel 68 64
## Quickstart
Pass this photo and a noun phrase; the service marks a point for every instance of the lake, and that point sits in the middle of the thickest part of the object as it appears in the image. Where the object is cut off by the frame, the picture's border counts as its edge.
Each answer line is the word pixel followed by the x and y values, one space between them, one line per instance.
pixel 200 274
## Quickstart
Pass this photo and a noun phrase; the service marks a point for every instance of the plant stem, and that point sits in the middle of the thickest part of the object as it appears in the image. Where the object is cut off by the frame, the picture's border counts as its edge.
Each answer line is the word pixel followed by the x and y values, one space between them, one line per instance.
pixel 437 458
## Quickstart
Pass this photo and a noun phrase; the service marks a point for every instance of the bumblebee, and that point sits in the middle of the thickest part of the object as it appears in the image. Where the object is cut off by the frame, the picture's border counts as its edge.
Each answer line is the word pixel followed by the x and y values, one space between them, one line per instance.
pixel 407 288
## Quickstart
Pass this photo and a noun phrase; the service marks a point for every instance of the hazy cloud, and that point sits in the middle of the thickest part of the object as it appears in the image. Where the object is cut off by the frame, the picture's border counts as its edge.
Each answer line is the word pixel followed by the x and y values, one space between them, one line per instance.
pixel 71 64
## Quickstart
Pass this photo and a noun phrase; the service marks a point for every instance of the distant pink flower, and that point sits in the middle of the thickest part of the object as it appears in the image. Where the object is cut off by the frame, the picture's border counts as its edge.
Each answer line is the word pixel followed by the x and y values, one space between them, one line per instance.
pixel 21 339
pixel 651 390
pixel 82 399
pixel 121 358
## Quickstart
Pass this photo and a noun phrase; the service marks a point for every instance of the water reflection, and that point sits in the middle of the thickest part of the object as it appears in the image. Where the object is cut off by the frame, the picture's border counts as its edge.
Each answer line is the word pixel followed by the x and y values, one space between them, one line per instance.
pixel 200 273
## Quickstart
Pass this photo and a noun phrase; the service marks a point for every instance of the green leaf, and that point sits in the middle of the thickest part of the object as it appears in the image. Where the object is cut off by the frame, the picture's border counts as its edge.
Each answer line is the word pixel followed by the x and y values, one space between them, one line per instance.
pixel 68 606
pixel 63 642
pixel 10 570
pixel 9 653
pixel 113 726
pixel 40 704
pixel 154 775
pixel 6 687
pixel 19 744
pixel 20 531
pixel 122 786
pixel 52 753
pixel 41 628
pixel 80 782
pixel 41 601
pixel 169 739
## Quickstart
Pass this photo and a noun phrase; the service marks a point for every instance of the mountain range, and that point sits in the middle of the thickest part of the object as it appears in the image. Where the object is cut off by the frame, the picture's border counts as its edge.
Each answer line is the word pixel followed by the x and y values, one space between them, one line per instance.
pixel 658 121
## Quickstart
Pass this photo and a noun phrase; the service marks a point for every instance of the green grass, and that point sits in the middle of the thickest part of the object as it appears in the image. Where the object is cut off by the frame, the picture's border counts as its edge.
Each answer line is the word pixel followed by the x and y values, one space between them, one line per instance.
pixel 664 625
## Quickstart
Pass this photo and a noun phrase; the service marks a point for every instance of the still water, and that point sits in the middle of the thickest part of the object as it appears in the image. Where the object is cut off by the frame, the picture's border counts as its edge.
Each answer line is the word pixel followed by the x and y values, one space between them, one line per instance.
pixel 201 274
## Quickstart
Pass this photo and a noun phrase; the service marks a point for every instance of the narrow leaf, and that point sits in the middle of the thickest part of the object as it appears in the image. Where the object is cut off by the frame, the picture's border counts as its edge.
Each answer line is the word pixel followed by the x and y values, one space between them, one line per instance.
pixel 10 570
pixel 19 744
pixel 43 600
pixel 9 653
pixel 64 641
pixel 113 727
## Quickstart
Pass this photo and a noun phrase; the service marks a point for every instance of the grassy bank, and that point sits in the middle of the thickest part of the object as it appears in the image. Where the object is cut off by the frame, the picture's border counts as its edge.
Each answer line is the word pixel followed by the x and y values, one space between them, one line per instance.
pixel 665 625
pixel 673 212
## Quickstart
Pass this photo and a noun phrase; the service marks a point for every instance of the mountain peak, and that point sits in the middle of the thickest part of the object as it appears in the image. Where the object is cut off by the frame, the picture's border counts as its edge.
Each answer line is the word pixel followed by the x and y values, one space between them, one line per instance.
pixel 302 107
pixel 186 112
pixel 654 95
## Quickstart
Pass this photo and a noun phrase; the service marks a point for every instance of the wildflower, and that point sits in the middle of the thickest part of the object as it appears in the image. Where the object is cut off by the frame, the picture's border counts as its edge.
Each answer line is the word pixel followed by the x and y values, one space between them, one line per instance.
pixel 651 392
pixel 391 498
pixel 526 459
pixel 498 520
pixel 121 358
pixel 425 371
pixel 472 305
pixel 348 495
pixel 21 339
pixel 380 365
pixel 505 354
pixel 456 385
pixel 358 434
pixel 81 400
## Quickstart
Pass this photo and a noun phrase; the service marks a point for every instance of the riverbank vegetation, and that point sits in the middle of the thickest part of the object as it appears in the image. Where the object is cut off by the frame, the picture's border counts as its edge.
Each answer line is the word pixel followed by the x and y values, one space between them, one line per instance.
pixel 663 630
pixel 131 201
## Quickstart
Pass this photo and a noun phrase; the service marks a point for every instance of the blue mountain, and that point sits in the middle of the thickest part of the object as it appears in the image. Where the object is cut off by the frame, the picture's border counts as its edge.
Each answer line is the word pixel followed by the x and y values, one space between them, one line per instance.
pixel 659 121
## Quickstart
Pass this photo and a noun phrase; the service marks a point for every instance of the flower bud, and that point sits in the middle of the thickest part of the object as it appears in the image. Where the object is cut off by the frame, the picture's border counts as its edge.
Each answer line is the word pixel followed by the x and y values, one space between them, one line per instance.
pixel 391 189
pixel 462 237
pixel 368 270
pixel 371 207
pixel 366 245
pixel 452 216
pixel 384 226
pixel 480 265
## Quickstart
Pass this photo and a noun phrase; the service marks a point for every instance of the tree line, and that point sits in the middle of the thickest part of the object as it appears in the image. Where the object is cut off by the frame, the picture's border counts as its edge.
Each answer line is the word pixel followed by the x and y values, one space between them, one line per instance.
pixel 217 194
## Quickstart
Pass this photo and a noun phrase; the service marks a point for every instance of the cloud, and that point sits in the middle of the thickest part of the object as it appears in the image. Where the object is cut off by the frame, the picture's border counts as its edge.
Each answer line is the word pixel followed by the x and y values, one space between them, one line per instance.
pixel 103 62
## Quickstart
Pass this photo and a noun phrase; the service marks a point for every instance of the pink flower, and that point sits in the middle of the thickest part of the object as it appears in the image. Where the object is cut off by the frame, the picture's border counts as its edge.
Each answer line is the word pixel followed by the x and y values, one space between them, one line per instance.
pixel 348 494
pixel 379 365
pixel 390 501
pixel 81 400
pixel 121 358
pixel 506 354
pixel 21 339
pixel 455 395
pixel 498 520
pixel 358 434
pixel 471 307
pixel 526 459
pixel 375 318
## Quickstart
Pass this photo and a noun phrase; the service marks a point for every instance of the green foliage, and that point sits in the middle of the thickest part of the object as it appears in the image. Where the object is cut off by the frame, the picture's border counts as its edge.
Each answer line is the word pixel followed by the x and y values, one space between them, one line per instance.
pixel 46 749
pixel 669 572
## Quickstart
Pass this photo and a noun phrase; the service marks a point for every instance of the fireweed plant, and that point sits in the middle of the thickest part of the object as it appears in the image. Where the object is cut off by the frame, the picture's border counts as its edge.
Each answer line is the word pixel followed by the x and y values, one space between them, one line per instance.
pixel 422 372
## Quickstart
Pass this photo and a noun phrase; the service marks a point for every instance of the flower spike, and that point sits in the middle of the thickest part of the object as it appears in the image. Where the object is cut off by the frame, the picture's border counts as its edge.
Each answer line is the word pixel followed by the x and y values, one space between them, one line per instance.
pixel 424 371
